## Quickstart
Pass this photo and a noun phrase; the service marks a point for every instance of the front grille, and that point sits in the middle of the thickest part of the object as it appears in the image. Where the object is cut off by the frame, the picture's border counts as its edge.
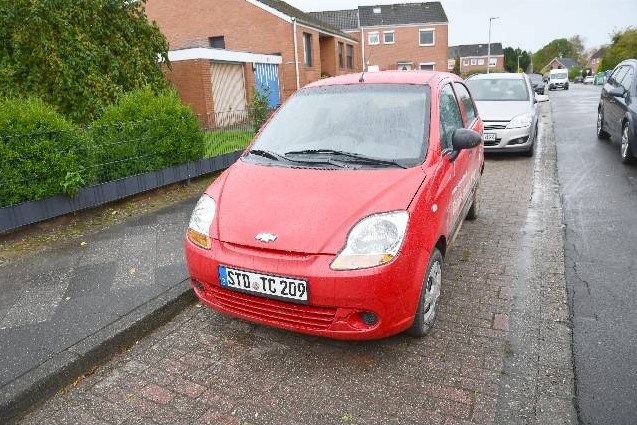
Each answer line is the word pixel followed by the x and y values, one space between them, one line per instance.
pixel 297 315
pixel 492 142
pixel 494 126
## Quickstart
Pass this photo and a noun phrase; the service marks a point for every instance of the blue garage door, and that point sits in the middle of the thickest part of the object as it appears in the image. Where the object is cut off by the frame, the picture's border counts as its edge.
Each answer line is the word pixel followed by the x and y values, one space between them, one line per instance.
pixel 267 78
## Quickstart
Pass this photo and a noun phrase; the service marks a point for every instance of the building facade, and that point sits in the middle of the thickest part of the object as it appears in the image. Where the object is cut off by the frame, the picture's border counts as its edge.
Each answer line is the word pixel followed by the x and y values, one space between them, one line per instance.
pixel 473 58
pixel 221 50
pixel 396 36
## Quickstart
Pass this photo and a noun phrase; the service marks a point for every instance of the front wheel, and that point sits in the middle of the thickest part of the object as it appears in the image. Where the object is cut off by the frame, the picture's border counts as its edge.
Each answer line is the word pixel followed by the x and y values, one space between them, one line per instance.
pixel 626 150
pixel 429 294
pixel 472 214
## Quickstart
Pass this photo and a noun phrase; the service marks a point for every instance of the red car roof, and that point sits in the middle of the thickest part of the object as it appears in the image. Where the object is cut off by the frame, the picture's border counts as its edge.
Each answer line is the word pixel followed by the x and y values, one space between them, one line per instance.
pixel 388 77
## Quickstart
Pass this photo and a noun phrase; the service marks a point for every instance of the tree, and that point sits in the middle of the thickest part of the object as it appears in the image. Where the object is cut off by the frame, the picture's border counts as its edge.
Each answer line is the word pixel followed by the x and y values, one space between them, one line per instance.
pixel 511 59
pixel 577 42
pixel 78 55
pixel 624 46
pixel 556 48
pixel 456 66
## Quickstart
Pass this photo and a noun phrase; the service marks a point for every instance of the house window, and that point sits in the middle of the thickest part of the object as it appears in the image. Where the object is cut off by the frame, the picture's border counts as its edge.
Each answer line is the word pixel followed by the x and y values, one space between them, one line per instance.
pixel 480 61
pixel 451 64
pixel 388 37
pixel 429 66
pixel 350 56
pixel 341 55
pixel 307 48
pixel 427 37
pixel 218 42
pixel 474 62
pixel 465 62
pixel 493 61
pixel 373 38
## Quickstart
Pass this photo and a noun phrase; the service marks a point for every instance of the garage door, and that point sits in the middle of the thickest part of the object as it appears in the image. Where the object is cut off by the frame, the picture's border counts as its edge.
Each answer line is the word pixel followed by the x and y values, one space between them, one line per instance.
pixel 228 93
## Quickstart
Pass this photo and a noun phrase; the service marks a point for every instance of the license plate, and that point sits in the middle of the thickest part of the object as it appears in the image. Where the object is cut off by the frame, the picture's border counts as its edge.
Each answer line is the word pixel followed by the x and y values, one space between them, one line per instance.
pixel 284 288
pixel 489 137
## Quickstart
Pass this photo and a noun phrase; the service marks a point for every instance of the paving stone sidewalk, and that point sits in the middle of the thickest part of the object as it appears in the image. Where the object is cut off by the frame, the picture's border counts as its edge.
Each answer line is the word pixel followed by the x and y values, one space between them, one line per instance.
pixel 499 354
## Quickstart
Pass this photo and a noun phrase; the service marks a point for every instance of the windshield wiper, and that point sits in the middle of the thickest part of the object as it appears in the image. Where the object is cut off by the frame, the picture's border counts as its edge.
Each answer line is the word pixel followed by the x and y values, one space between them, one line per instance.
pixel 267 154
pixel 350 156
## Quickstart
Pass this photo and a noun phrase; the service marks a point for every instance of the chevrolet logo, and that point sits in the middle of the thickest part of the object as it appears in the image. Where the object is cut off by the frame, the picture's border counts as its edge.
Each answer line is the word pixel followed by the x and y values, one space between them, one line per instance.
pixel 265 237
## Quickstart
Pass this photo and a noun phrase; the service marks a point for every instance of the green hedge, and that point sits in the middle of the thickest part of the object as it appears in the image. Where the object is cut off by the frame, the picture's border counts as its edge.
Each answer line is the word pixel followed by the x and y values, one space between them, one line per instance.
pixel 145 131
pixel 40 152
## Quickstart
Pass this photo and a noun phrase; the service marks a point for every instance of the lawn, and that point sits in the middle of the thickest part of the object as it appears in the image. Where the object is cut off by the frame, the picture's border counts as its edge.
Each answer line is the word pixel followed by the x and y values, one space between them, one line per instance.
pixel 224 141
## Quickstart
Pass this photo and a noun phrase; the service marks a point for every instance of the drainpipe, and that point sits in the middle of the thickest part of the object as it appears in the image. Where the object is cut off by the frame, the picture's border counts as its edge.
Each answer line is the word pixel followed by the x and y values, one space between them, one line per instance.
pixel 296 55
pixel 358 17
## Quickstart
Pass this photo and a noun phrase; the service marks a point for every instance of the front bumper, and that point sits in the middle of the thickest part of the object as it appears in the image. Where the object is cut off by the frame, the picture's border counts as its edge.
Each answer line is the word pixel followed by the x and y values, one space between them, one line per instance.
pixel 510 140
pixel 339 301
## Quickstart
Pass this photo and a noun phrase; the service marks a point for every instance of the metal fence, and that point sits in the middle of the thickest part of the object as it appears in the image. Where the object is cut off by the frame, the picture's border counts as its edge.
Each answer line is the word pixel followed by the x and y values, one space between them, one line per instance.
pixel 41 164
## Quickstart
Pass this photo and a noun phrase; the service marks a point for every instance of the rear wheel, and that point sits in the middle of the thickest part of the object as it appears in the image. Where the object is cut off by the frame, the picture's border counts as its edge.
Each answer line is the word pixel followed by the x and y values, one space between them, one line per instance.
pixel 601 133
pixel 428 302
pixel 626 149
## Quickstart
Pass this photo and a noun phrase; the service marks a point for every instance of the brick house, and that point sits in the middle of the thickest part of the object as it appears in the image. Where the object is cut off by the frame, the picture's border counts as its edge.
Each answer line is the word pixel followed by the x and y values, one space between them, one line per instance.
pixel 396 36
pixel 560 63
pixel 220 50
pixel 474 57
pixel 595 60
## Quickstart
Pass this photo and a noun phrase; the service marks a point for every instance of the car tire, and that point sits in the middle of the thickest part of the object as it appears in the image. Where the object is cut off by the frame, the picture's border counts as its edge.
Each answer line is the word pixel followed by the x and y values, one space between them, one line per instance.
pixel 627 144
pixel 529 152
pixel 474 209
pixel 429 294
pixel 566 87
pixel 601 133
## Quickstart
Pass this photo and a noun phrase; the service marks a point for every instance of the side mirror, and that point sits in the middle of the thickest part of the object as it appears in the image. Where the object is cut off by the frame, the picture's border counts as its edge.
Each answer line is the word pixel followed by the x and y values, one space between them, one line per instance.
pixel 463 138
pixel 617 91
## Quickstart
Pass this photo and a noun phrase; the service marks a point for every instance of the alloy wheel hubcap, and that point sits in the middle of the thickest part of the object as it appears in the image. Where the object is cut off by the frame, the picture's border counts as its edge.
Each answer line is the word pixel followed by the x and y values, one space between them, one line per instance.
pixel 432 290
pixel 599 122
pixel 625 142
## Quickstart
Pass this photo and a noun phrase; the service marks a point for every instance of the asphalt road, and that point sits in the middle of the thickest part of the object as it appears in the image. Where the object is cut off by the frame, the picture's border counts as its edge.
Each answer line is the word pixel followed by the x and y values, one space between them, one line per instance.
pixel 599 196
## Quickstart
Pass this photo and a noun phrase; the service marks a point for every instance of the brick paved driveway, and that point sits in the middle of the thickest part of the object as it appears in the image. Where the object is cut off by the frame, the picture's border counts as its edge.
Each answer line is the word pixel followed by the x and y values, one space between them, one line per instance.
pixel 206 368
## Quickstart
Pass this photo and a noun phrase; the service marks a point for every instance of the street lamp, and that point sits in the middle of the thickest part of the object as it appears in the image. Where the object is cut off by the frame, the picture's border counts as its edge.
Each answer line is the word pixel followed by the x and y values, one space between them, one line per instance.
pixel 489 48
pixel 518 70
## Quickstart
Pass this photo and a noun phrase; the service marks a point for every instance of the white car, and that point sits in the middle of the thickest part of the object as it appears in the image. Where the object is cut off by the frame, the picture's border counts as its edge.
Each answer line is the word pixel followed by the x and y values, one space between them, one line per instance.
pixel 589 80
pixel 558 79
pixel 508 109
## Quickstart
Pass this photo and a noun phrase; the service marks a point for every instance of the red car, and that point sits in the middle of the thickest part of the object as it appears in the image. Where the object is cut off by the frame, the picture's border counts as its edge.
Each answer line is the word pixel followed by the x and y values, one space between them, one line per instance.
pixel 336 219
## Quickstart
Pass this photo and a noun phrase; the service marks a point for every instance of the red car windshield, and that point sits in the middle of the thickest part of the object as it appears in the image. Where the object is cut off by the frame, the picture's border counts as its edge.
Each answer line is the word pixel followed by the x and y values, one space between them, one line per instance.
pixel 383 122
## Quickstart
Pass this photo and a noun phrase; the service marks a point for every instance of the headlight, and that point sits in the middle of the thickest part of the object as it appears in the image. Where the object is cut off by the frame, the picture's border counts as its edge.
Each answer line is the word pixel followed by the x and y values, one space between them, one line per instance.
pixel 200 222
pixel 523 120
pixel 373 241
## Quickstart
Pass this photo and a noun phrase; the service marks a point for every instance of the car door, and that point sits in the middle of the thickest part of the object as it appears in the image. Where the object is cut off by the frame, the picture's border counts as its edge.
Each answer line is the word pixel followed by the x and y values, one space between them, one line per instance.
pixel 612 106
pixel 471 121
pixel 450 120
pixel 623 102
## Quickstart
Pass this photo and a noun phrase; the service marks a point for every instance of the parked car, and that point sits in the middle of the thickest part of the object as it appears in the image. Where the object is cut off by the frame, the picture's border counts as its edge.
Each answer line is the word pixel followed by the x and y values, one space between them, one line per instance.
pixel 508 108
pixel 336 220
pixel 579 79
pixel 617 110
pixel 537 82
pixel 589 79
pixel 558 79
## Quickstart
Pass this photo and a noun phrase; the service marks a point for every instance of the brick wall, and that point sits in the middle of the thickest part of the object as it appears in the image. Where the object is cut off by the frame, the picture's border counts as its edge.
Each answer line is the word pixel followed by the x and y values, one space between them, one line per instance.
pixel 407 47
pixel 192 81
pixel 245 27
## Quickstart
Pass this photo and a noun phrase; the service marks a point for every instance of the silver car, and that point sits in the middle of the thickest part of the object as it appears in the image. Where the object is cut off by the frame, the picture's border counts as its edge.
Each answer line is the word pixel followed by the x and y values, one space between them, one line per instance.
pixel 508 108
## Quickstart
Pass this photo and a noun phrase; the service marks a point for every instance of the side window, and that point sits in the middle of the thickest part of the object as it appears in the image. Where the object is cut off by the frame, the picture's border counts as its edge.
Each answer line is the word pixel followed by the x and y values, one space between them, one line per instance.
pixel 617 76
pixel 467 102
pixel 627 81
pixel 450 117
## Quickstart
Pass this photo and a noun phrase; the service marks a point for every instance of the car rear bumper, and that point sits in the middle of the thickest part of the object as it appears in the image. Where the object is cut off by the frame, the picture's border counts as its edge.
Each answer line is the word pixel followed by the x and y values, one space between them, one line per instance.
pixel 339 302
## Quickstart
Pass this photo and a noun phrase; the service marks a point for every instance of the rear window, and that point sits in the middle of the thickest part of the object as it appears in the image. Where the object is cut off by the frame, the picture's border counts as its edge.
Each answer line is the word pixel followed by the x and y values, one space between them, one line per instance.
pixel 495 89
pixel 384 121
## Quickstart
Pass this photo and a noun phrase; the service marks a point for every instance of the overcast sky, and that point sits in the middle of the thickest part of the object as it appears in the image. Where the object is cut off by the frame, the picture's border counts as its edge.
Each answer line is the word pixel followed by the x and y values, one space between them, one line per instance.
pixel 529 25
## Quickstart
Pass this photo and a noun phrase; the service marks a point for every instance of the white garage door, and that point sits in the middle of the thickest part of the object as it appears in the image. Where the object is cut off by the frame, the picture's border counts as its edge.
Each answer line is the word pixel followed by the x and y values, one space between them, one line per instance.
pixel 228 93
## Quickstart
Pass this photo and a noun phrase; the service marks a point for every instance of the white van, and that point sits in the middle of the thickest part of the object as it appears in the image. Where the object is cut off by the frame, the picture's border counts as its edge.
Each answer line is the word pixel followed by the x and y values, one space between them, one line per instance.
pixel 558 79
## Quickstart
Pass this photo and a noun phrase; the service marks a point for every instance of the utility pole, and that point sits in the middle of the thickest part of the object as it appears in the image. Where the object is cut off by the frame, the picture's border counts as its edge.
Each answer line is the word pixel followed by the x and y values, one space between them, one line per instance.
pixel 518 70
pixel 489 47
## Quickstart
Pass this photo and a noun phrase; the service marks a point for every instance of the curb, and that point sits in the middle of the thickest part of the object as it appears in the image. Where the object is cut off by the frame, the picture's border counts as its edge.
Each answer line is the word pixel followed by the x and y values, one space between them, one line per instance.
pixel 36 386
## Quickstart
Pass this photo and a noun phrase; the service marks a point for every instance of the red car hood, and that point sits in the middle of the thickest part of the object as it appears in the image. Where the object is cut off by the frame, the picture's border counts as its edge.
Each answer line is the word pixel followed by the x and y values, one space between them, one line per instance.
pixel 310 211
